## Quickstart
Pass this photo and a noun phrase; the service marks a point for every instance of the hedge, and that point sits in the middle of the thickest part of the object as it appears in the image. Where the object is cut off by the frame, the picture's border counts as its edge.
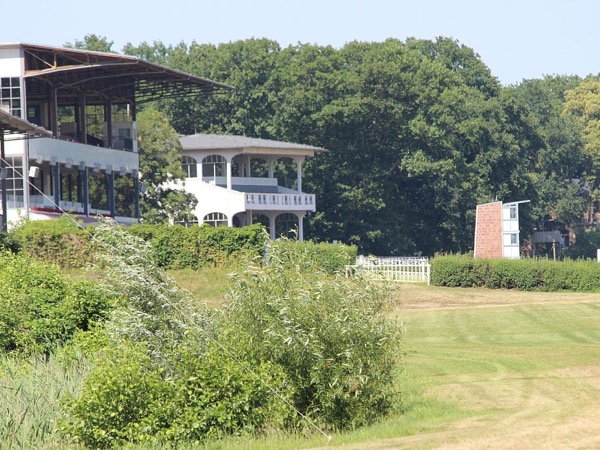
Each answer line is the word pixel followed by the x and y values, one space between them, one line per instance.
pixel 521 274
pixel 61 241
pixel 330 258
pixel 178 247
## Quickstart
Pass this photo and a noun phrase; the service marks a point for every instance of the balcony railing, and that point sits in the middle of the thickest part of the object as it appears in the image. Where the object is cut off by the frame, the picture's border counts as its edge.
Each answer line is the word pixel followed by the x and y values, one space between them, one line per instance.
pixel 303 202
pixel 241 181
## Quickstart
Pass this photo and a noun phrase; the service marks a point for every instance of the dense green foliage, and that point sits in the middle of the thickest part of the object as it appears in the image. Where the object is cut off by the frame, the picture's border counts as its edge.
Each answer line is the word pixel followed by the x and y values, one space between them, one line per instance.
pixel 292 339
pixel 418 131
pixel 65 243
pixel 328 333
pixel 178 247
pixel 61 241
pixel 330 258
pixel 40 309
pixel 523 274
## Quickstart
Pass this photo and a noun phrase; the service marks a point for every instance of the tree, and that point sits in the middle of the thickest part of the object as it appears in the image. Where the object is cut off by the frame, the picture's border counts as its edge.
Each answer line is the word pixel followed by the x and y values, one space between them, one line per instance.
pixel 583 105
pixel 160 171
pixel 93 43
pixel 554 156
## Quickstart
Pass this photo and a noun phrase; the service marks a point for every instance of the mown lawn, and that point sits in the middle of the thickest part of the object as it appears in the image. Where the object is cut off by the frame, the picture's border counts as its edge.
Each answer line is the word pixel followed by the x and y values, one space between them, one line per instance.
pixel 487 369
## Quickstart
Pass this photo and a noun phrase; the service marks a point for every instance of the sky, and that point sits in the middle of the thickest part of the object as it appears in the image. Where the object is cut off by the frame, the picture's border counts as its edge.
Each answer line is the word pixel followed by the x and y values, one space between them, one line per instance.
pixel 516 39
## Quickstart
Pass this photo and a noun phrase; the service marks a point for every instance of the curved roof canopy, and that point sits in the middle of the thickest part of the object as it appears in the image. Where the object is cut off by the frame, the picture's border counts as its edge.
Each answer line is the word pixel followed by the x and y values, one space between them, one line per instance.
pixel 13 124
pixel 102 76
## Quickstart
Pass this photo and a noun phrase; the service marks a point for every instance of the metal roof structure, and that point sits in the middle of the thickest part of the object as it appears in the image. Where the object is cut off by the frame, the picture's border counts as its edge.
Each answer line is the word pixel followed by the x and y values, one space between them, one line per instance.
pixel 103 76
pixel 221 141
pixel 12 124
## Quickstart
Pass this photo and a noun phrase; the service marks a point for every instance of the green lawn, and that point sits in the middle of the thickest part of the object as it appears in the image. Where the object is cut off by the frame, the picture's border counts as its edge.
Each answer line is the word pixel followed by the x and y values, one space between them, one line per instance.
pixel 488 369
pixel 482 369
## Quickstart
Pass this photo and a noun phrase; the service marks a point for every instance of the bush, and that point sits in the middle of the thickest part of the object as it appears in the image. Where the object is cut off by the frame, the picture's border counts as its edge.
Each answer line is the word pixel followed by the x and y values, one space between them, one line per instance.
pixel 521 274
pixel 328 333
pixel 39 308
pixel 128 399
pixel 59 241
pixel 178 247
pixel 174 373
pixel 330 258
pixel 8 242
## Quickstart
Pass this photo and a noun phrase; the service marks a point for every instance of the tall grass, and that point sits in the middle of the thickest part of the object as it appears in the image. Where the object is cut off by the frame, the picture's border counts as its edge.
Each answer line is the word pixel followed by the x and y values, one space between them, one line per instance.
pixel 30 393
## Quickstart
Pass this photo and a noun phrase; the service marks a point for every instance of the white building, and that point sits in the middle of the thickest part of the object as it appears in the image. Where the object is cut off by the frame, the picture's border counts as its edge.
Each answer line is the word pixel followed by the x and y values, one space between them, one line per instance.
pixel 87 100
pixel 239 181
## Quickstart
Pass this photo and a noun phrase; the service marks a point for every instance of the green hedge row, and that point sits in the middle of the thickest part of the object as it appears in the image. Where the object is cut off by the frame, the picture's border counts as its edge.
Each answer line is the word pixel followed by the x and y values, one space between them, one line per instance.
pixel 64 243
pixel 329 258
pixel 522 274
pixel 60 241
pixel 178 247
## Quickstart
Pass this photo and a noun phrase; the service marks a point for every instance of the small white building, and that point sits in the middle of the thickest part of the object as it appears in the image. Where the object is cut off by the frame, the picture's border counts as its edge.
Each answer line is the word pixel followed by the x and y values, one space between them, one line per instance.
pixel 235 180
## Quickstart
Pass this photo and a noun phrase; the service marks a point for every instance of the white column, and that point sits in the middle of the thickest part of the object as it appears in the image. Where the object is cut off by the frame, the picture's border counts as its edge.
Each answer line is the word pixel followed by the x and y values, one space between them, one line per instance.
pixel 270 166
pixel 229 175
pixel 301 227
pixel 299 174
pixel 272 227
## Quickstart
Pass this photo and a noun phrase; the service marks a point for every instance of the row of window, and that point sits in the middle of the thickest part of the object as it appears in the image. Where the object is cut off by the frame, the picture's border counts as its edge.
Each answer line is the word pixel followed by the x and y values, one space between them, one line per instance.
pixel 212 166
pixel 10 95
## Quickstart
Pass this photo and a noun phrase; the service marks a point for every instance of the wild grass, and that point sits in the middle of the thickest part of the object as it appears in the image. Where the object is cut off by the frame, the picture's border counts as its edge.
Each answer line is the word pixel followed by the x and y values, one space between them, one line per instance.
pixel 30 393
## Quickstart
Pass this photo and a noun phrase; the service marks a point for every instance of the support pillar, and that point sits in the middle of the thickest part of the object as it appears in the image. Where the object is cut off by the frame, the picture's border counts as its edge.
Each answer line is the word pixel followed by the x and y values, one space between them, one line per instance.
pixel 229 182
pixel 300 227
pixel 110 181
pixel 57 184
pixel 136 186
pixel 85 190
pixel 272 234
pixel 4 225
pixel 299 174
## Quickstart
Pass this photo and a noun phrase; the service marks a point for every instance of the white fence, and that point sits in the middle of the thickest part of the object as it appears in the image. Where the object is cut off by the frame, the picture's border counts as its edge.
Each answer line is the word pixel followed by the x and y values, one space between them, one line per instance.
pixel 403 269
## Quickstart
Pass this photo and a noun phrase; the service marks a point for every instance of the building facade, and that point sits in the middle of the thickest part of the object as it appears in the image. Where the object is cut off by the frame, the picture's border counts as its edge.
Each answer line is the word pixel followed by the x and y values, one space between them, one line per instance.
pixel 239 181
pixel 89 163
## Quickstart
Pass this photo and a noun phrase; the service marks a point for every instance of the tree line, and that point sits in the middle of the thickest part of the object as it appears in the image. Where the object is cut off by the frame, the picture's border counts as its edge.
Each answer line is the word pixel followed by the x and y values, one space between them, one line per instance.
pixel 418 131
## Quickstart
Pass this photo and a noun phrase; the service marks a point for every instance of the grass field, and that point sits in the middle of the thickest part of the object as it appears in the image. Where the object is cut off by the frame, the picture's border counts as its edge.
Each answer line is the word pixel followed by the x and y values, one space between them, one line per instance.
pixel 496 369
pixel 483 369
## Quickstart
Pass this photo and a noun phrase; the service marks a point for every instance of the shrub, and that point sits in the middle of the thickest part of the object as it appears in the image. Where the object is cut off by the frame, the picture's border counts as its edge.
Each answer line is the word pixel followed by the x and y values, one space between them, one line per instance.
pixel 39 308
pixel 330 258
pixel 8 242
pixel 173 373
pixel 522 274
pixel 178 247
pixel 328 333
pixel 59 241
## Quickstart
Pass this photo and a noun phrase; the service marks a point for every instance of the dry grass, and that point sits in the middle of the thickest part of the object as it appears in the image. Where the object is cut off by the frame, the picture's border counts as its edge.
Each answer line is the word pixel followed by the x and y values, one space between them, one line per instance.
pixel 522 369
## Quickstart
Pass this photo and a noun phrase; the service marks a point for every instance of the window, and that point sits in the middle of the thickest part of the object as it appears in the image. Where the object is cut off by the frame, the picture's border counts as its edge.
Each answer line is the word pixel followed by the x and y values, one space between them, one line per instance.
pixel 286 225
pixel 215 219
pixel 14 181
pixel 513 239
pixel 214 166
pixel 513 212
pixel 10 95
pixel 189 166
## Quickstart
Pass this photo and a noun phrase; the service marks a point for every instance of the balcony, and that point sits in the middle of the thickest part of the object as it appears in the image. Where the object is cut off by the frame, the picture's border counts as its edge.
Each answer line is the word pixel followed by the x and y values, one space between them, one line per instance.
pixel 287 202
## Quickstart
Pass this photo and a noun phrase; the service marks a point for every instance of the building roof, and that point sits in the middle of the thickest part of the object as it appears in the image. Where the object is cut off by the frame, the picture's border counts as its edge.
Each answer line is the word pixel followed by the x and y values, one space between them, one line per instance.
pixel 13 124
pixel 242 143
pixel 107 76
